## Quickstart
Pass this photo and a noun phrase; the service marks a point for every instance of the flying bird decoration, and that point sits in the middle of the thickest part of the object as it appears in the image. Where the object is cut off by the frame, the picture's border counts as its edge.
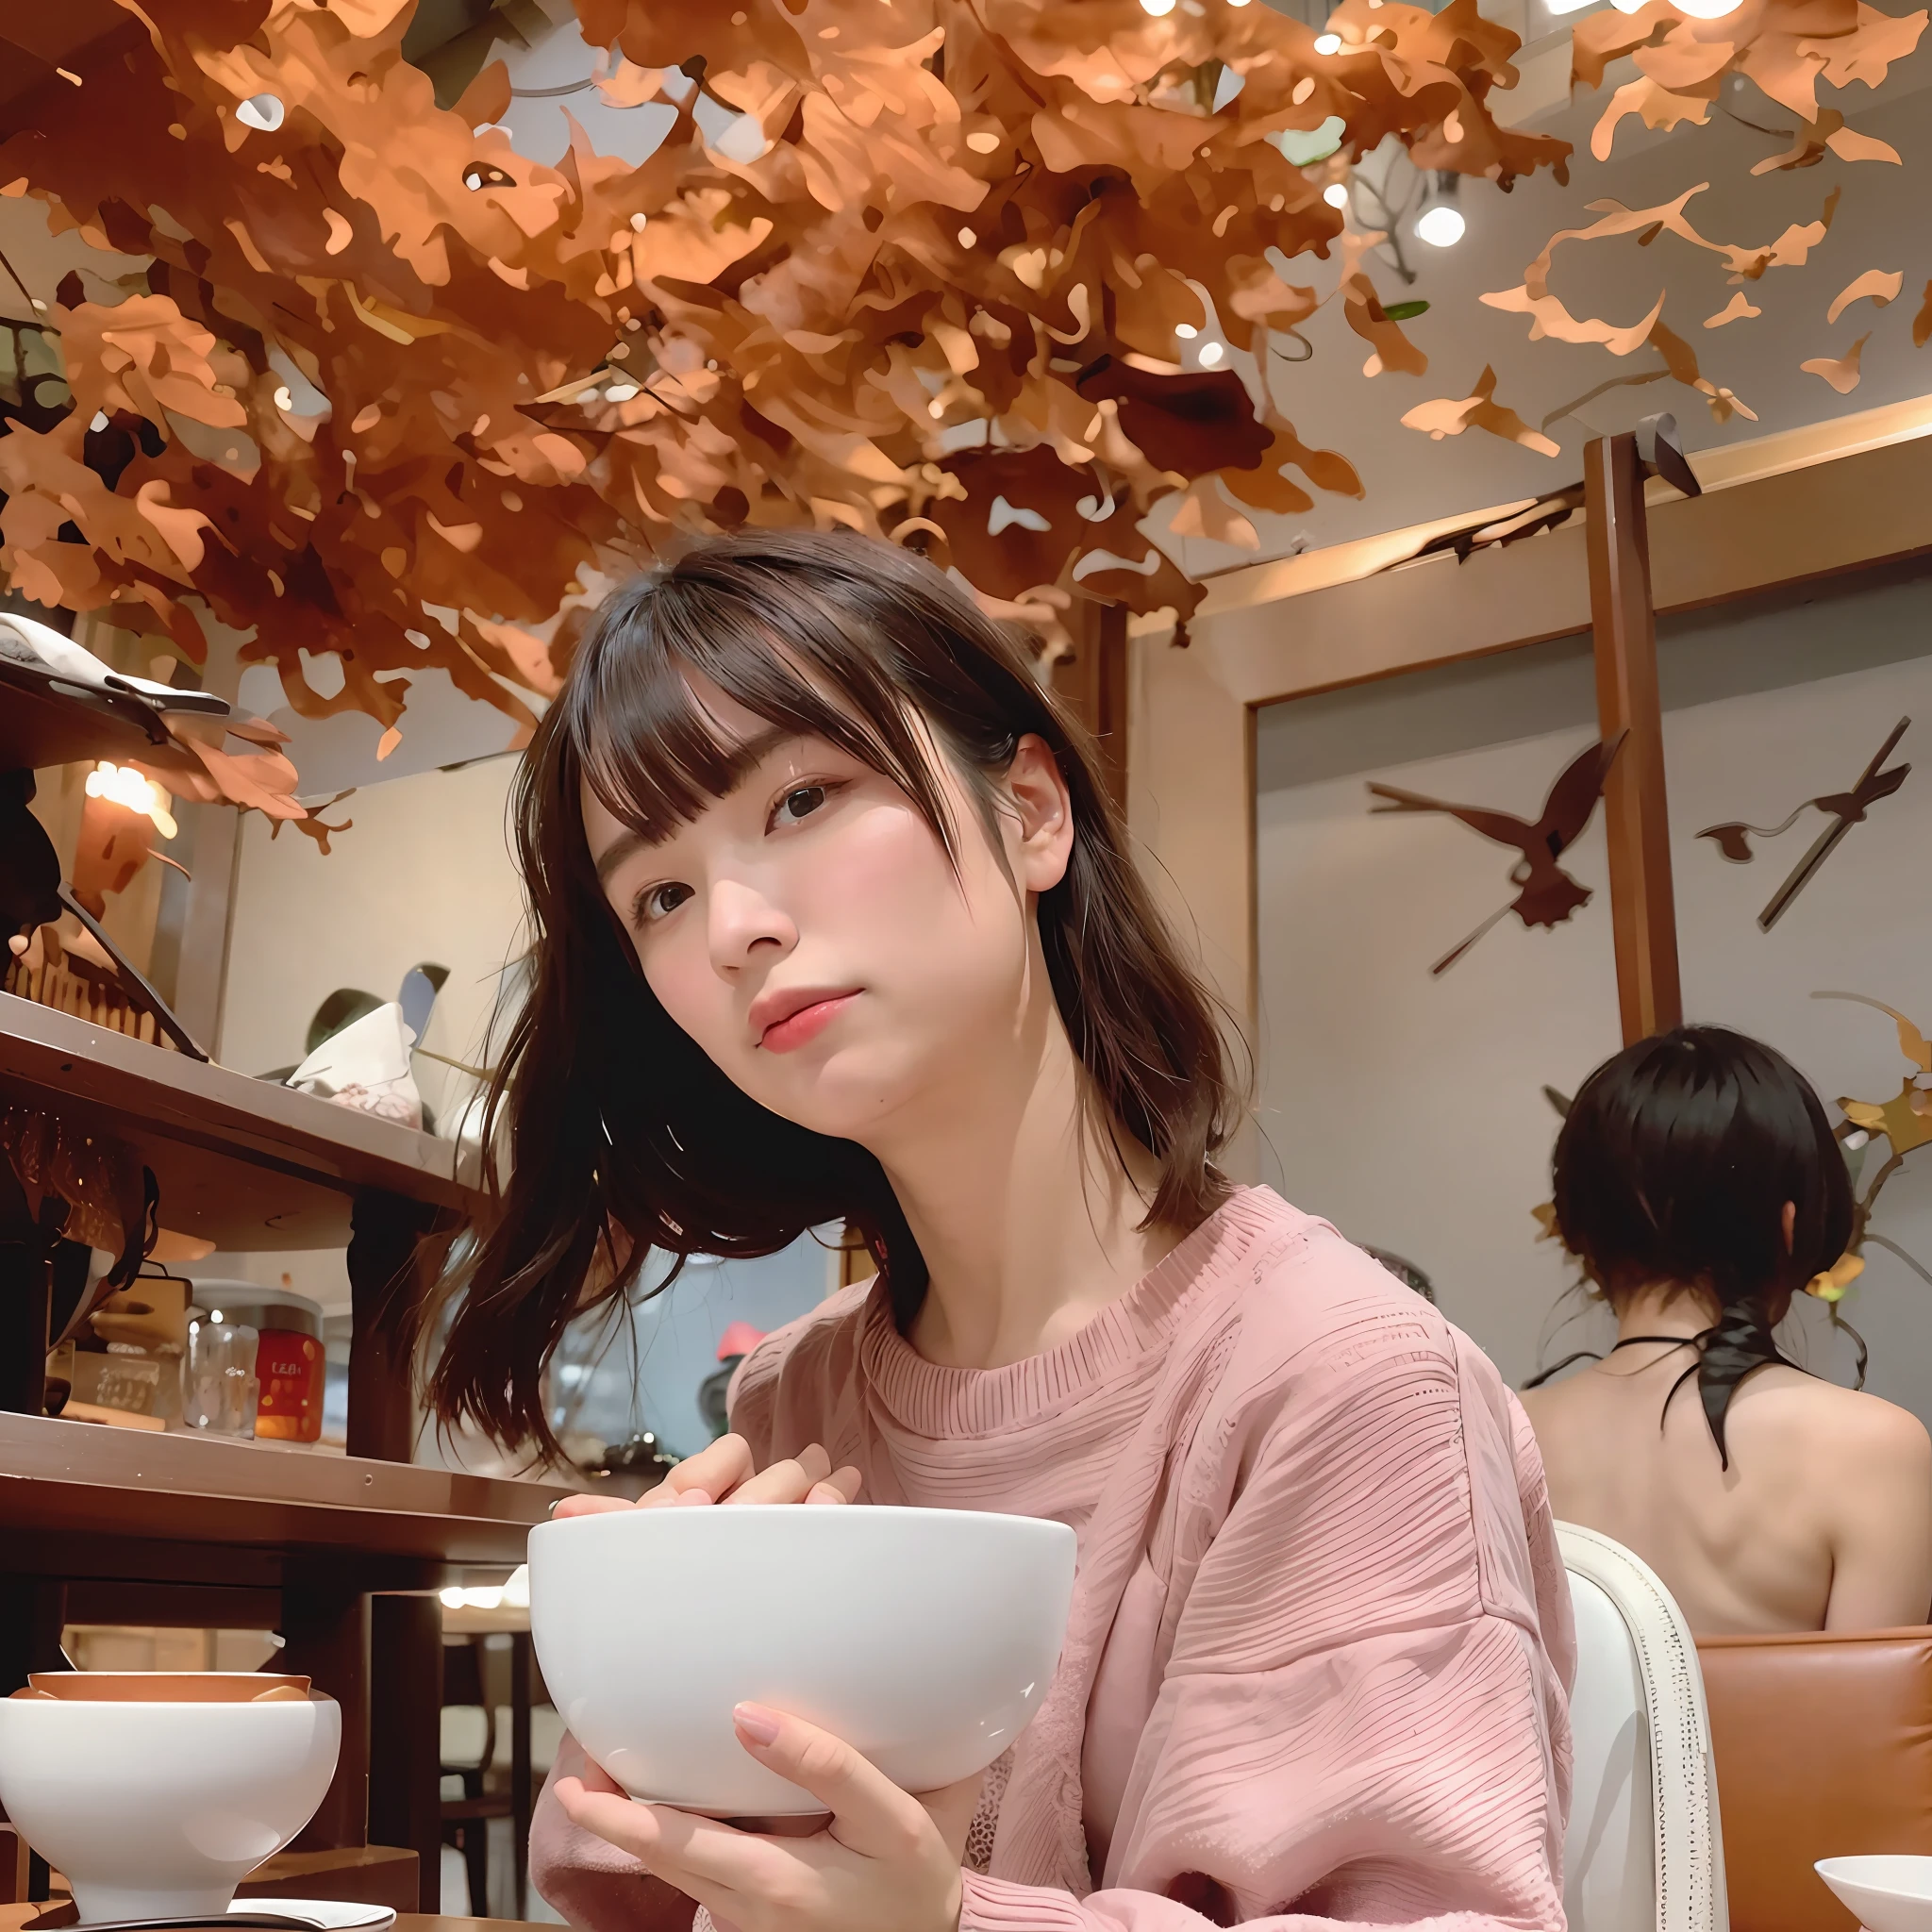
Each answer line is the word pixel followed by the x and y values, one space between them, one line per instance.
pixel 1844 808
pixel 1546 894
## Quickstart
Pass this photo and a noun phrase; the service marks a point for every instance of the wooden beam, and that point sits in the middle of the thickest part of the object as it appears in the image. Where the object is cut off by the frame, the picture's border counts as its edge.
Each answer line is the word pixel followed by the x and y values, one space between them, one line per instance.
pixel 1643 911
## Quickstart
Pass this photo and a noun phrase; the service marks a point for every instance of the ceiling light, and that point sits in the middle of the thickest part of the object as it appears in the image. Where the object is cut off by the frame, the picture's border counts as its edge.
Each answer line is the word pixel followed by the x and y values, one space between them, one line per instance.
pixel 283 399
pixel 264 111
pixel 1440 223
pixel 1336 194
pixel 1707 10
pixel 620 392
pixel 1186 330
pixel 1156 7
pixel 1324 43
pixel 1210 355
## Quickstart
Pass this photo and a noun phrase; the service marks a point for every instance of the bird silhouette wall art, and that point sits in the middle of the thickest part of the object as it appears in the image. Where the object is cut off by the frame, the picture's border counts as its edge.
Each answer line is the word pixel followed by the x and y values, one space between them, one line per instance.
pixel 1844 808
pixel 1546 894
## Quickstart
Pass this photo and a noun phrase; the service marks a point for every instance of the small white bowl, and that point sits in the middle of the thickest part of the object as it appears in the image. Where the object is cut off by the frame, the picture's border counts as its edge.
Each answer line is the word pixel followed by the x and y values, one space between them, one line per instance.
pixel 923 1637
pixel 159 1809
pixel 1889 1892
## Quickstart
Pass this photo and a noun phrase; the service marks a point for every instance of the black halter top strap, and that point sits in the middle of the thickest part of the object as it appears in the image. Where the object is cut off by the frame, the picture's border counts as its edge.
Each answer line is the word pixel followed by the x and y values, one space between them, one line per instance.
pixel 1737 1345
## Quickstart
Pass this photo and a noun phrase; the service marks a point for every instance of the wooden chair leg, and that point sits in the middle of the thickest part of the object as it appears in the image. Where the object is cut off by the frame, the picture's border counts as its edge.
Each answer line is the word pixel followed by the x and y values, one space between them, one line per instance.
pixel 477 1861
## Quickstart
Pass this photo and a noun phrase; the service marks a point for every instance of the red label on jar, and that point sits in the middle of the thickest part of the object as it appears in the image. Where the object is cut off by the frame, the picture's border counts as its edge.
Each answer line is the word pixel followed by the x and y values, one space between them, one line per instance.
pixel 289 1367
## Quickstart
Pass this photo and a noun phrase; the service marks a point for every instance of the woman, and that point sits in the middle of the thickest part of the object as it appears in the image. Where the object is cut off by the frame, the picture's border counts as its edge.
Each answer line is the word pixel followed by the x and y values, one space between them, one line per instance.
pixel 1699 1183
pixel 834 922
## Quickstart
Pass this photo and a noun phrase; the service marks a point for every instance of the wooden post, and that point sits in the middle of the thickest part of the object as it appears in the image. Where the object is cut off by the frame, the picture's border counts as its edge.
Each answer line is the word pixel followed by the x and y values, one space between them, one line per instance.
pixel 1094 680
pixel 1643 911
pixel 405 1722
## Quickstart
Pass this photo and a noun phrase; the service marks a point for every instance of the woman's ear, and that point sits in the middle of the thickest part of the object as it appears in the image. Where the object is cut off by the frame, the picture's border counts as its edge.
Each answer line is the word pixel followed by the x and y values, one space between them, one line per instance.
pixel 1791 1224
pixel 1042 838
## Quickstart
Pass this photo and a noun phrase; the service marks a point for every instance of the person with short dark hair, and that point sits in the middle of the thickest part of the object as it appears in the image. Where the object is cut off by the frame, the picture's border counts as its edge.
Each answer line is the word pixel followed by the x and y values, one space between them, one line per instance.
pixel 1701 1186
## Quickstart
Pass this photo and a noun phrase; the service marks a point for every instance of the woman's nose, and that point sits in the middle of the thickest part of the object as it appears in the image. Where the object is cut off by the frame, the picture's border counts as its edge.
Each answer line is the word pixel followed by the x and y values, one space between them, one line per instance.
pixel 744 921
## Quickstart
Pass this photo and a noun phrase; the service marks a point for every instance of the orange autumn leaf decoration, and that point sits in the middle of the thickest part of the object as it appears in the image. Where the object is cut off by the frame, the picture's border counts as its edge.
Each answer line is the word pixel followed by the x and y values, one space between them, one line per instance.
pixel 1841 372
pixel 1478 410
pixel 395 391
pixel 1875 285
pixel 1786 48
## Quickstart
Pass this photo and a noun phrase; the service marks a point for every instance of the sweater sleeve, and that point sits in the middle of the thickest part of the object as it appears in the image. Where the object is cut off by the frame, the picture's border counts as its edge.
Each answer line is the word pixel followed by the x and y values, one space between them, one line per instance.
pixel 592 1884
pixel 1359 1720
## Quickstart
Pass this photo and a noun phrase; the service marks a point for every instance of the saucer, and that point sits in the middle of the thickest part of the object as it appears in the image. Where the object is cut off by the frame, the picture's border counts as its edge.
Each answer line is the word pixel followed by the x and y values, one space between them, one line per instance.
pixel 300 1914
pixel 325 1915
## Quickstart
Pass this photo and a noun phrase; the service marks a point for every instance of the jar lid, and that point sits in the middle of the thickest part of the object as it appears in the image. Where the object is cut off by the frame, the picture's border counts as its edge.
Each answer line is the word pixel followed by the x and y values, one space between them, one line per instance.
pixel 257 1307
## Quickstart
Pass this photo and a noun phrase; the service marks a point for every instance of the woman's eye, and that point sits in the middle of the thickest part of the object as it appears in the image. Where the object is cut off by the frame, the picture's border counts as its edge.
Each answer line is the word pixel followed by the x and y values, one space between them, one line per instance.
pixel 654 902
pixel 797 804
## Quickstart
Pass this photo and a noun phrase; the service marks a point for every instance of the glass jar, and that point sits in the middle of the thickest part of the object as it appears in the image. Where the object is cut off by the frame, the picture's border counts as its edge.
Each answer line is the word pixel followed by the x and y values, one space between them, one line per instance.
pixel 290 1366
pixel 219 1387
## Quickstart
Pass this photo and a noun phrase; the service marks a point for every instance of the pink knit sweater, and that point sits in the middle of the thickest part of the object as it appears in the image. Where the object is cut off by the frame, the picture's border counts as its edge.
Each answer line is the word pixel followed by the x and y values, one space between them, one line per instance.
pixel 1316 1665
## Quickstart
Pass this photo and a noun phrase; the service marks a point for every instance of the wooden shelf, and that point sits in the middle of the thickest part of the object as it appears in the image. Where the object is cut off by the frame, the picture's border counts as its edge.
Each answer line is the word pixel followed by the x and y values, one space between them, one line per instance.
pixel 243 1163
pixel 91 1482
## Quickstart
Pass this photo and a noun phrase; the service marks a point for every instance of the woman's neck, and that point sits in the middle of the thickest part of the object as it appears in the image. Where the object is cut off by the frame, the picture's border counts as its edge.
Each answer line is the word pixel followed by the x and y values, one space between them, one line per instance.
pixel 1013 1190
pixel 1664 1308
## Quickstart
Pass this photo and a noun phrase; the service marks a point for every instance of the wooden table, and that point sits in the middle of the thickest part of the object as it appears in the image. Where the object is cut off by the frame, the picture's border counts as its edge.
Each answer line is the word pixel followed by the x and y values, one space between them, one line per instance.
pixel 343 1555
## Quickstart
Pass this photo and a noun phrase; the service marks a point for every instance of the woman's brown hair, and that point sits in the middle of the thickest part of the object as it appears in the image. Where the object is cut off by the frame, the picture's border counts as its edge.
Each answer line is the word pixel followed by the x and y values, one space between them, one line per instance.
pixel 622 1136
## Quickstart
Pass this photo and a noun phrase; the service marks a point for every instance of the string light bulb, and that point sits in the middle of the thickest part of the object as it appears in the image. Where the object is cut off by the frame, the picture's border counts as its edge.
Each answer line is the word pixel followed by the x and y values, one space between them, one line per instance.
pixel 1336 194
pixel 1324 43
pixel 1441 224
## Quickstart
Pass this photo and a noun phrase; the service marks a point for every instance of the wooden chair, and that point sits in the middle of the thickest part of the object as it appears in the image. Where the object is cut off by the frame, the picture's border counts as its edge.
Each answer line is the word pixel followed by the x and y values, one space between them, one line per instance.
pixel 466 1820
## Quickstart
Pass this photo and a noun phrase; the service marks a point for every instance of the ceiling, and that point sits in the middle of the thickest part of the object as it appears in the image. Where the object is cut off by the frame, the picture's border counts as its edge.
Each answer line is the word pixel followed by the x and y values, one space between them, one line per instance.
pixel 1407 477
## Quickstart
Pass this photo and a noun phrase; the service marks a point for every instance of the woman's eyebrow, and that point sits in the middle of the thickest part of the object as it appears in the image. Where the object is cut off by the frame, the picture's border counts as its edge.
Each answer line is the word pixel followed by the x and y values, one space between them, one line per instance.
pixel 740 762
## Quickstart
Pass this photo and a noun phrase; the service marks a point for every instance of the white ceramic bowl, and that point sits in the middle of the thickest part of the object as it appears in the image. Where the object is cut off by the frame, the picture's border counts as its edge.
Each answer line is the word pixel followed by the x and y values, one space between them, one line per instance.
pixel 1889 1892
pixel 159 1809
pixel 925 1638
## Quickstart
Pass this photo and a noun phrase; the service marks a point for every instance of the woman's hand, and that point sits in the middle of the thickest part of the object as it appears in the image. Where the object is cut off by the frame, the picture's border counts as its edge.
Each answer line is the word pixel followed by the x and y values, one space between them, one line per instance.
pixel 886 1862
pixel 724 1474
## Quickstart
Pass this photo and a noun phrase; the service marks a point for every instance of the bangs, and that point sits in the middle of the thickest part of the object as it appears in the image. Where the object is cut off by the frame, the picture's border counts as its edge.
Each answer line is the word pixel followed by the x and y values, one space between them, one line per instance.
pixel 655 759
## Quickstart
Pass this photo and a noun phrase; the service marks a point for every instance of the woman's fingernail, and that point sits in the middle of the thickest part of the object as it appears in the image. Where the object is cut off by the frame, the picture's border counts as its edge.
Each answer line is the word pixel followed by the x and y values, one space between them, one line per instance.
pixel 756 1725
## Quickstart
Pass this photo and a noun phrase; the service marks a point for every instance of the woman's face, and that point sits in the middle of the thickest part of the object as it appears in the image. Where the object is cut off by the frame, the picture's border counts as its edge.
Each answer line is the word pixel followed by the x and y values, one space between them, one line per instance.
pixel 810 934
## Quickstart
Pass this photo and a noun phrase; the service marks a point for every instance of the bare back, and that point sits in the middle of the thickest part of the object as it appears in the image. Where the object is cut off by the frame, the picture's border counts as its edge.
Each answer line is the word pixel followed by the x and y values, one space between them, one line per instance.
pixel 1822 1522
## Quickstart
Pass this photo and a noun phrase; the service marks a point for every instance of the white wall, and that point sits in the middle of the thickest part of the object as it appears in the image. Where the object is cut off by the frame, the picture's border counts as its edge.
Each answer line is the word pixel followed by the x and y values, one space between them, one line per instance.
pixel 425 873
pixel 1409 1109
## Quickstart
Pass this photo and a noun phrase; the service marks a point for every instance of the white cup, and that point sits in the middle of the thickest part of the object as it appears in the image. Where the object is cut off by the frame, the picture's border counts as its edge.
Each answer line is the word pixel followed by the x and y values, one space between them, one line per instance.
pixel 159 1809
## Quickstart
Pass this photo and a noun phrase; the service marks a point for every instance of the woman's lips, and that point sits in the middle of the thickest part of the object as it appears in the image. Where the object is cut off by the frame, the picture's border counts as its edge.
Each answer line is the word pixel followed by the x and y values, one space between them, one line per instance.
pixel 807 1024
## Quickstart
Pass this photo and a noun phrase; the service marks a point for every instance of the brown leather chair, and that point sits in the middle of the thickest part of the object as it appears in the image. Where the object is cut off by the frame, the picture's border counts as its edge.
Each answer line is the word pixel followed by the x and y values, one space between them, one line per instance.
pixel 1823 1744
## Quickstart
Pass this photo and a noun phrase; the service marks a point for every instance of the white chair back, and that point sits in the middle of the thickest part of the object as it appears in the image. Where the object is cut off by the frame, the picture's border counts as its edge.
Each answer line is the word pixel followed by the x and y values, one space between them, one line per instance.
pixel 1643 1852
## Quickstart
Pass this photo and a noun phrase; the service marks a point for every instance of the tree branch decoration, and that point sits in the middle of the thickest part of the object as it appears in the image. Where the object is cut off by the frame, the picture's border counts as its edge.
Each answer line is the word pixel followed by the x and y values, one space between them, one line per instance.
pixel 393 390
pixel 1905 1122
pixel 1844 808
pixel 1546 894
